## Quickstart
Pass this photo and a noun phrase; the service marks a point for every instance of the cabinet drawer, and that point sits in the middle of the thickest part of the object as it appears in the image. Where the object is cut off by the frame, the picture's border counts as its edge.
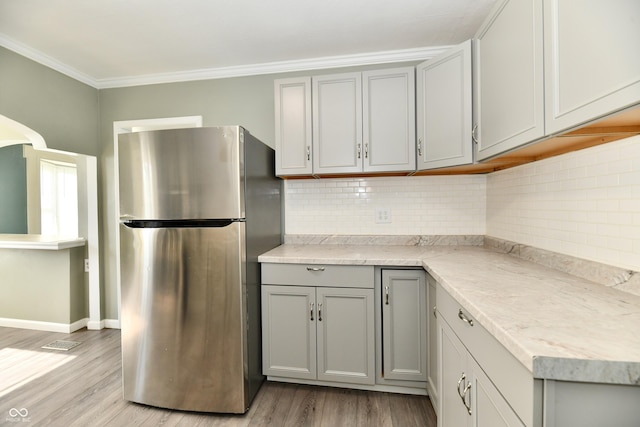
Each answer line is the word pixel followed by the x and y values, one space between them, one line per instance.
pixel 347 276
pixel 513 380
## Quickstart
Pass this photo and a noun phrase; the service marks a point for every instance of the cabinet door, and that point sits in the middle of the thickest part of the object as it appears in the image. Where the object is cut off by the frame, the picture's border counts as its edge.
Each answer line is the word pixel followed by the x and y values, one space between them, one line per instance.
pixel 432 324
pixel 509 88
pixel 592 59
pixel 293 126
pixel 444 109
pixel 337 123
pixel 404 325
pixel 454 377
pixel 489 407
pixel 289 331
pixel 346 351
pixel 389 134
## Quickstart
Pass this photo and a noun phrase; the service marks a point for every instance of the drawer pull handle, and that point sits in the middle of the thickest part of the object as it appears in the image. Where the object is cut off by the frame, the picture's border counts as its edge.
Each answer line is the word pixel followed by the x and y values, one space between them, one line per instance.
pixel 464 318
pixel 386 295
pixel 319 312
pixel 311 311
pixel 315 268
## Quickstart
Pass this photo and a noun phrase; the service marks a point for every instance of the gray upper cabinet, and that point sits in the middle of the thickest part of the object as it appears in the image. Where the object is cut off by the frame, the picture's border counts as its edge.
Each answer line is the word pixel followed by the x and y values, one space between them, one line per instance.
pixel 509 86
pixel 364 122
pixel 592 59
pixel 389 134
pixel 346 123
pixel 337 123
pixel 444 109
pixel 543 67
pixel 293 126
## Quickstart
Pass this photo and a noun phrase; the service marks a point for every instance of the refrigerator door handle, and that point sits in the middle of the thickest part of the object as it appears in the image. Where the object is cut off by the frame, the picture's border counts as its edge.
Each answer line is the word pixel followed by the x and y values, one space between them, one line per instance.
pixel 180 223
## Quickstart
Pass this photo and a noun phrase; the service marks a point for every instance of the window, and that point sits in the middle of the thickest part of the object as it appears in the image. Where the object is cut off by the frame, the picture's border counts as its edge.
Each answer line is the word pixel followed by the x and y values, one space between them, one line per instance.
pixel 58 198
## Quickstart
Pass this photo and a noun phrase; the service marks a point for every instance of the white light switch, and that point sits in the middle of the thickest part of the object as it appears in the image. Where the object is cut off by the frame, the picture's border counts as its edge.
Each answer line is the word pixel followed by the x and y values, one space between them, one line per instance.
pixel 383 215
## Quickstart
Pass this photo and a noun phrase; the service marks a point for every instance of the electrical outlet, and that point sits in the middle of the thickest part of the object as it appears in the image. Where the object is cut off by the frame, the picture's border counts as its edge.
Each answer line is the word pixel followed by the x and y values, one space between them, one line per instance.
pixel 86 265
pixel 383 215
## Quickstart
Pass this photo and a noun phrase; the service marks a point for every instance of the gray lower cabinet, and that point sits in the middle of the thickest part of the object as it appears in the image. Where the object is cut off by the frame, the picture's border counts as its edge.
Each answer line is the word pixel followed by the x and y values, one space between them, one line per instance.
pixel 289 331
pixel 345 325
pixel 481 383
pixel 432 327
pixel 318 332
pixel 468 397
pixel 404 325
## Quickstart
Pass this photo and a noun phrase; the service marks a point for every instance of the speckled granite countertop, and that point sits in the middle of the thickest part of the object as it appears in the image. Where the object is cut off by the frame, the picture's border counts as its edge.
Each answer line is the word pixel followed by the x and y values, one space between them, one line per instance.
pixel 557 325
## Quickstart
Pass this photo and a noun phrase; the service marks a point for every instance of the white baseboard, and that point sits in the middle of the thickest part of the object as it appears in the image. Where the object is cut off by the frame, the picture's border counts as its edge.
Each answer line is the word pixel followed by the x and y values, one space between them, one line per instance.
pixel 112 323
pixel 94 325
pixel 44 326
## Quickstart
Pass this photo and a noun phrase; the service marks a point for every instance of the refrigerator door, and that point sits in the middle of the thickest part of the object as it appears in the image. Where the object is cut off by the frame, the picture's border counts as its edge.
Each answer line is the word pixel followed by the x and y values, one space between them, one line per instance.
pixel 184 317
pixel 195 173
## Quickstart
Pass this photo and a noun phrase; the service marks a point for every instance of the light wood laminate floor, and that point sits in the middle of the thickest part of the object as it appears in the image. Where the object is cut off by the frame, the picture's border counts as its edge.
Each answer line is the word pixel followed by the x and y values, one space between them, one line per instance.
pixel 82 387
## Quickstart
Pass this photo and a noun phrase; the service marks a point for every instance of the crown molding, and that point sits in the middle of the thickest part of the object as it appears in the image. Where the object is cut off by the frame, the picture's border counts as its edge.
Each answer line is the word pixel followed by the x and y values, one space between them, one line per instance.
pixel 41 58
pixel 404 55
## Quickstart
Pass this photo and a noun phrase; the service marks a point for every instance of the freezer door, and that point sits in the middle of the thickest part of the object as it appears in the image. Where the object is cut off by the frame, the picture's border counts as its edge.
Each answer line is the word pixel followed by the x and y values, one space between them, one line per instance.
pixel 193 173
pixel 184 317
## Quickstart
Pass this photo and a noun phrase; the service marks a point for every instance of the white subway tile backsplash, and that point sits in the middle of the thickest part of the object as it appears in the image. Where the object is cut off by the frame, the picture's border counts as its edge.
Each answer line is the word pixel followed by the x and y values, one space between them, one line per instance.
pixel 420 205
pixel 584 204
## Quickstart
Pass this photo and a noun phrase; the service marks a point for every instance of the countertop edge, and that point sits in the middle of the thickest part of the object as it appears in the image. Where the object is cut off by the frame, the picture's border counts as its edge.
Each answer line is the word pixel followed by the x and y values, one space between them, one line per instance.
pixel 52 245
pixel 592 371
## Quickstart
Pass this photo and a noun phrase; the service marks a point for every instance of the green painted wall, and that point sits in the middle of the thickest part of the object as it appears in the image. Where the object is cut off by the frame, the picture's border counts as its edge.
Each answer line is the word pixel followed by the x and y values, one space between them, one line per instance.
pixel 54 292
pixel 61 109
pixel 65 112
pixel 13 191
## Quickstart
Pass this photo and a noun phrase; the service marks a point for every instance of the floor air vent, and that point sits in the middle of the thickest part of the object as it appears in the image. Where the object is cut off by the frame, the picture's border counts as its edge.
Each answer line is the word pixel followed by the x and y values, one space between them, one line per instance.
pixel 61 345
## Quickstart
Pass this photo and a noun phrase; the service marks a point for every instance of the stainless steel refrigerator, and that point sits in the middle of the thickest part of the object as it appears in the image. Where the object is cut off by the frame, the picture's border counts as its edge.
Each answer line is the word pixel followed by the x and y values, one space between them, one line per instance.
pixel 197 207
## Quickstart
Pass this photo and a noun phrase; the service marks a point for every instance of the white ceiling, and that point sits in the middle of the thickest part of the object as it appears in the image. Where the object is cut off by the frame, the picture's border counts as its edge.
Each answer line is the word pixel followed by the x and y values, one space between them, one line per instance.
pixel 109 43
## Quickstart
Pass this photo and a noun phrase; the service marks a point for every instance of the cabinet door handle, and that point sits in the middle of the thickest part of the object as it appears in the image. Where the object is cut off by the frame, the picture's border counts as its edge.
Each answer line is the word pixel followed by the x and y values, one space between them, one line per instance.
pixel 315 268
pixel 473 133
pixel 466 390
pixel 386 295
pixel 311 311
pixel 463 393
pixel 359 150
pixel 419 147
pixel 435 314
pixel 308 153
pixel 465 318
pixel 319 312
pixel 366 151
pixel 462 378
